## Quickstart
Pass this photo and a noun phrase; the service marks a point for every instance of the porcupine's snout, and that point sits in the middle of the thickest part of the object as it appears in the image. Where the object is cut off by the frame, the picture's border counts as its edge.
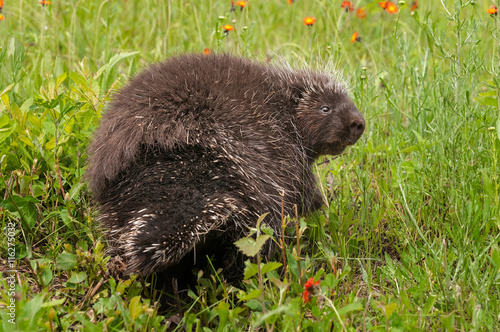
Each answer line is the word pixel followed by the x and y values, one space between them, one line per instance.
pixel 357 126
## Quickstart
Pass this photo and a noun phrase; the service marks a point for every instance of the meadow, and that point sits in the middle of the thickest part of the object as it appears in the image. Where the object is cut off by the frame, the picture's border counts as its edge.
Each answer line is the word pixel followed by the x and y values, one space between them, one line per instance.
pixel 410 238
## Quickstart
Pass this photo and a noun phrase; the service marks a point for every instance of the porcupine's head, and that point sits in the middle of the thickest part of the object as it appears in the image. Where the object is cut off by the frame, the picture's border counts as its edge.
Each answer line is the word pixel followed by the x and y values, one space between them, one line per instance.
pixel 326 118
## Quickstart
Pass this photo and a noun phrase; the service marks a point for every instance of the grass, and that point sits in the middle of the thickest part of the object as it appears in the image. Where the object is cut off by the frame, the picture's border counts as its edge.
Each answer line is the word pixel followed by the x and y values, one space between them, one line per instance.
pixel 410 239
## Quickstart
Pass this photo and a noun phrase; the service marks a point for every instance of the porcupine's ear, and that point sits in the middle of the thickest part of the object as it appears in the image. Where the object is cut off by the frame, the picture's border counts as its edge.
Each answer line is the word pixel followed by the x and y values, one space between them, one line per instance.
pixel 298 91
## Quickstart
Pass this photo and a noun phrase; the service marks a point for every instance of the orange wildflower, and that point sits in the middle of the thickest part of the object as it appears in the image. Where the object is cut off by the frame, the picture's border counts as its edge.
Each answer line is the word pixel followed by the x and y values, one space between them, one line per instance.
pixel 1 17
pixel 348 6
pixel 493 10
pixel 414 6
pixel 361 13
pixel 45 3
pixel 383 4
pixel 242 4
pixel 227 28
pixel 206 51
pixel 355 37
pixel 309 289
pixel 309 20
pixel 1 6
pixel 290 2
pixel 391 8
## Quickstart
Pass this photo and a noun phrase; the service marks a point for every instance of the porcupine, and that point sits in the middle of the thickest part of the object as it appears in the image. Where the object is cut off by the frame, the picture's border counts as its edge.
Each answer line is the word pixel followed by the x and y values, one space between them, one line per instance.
pixel 194 149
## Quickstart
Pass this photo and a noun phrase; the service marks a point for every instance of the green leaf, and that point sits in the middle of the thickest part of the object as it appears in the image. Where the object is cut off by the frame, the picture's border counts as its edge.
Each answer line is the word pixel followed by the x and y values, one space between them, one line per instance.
pixel 31 308
pixel 251 247
pixel 5 128
pixel 61 79
pixel 350 307
pixel 79 79
pixel 4 120
pixel 491 93
pixel 21 251
pixel 7 89
pixel 488 186
pixel 66 261
pixel 119 57
pixel 250 270
pixel 448 322
pixel 249 296
pixel 26 141
pixel 223 311
pixel 408 166
pixel 77 278
pixel 429 304
pixel 495 256
pixel 255 305
pixel 331 281
pixel 260 219
pixel 100 71
pixel 270 267
pixel 24 206
pixel 487 101
pixel 135 307
pixel 50 144
pixel 389 309
pixel 46 276
pixel 53 303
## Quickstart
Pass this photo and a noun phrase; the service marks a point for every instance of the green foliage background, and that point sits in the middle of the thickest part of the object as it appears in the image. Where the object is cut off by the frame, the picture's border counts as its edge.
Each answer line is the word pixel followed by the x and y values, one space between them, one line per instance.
pixel 410 238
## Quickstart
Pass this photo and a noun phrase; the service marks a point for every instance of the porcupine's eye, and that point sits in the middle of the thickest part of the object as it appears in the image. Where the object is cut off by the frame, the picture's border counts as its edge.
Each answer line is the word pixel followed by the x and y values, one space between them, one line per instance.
pixel 325 110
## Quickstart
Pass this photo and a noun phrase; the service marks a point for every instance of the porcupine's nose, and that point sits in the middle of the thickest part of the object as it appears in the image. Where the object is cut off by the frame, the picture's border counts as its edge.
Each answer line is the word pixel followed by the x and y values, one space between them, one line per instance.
pixel 357 125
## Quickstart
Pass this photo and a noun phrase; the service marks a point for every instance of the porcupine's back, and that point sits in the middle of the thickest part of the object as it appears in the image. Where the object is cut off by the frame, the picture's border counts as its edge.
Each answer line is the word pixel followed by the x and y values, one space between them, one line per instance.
pixel 194 149
pixel 184 101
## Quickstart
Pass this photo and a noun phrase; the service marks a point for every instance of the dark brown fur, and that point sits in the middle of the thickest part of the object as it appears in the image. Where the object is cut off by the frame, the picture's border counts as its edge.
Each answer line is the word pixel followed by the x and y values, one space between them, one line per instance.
pixel 194 149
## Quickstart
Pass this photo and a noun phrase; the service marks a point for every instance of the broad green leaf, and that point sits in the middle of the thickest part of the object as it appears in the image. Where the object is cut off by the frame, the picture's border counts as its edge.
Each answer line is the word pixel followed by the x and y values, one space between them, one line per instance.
pixel 248 296
pixel 251 247
pixel 270 267
pixel 495 256
pixel 79 79
pixel 61 79
pixel 46 276
pixel 429 304
pixel 26 141
pixel 223 311
pixel 448 322
pixel 255 305
pixel 135 307
pixel 77 278
pixel 4 120
pixel 389 309
pixel 50 144
pixel 66 261
pixel 5 128
pixel 331 281
pixel 408 166
pixel 487 101
pixel 6 100
pixel 491 93
pixel 53 303
pixel 25 206
pixel 350 307
pixel 31 308
pixel 250 270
